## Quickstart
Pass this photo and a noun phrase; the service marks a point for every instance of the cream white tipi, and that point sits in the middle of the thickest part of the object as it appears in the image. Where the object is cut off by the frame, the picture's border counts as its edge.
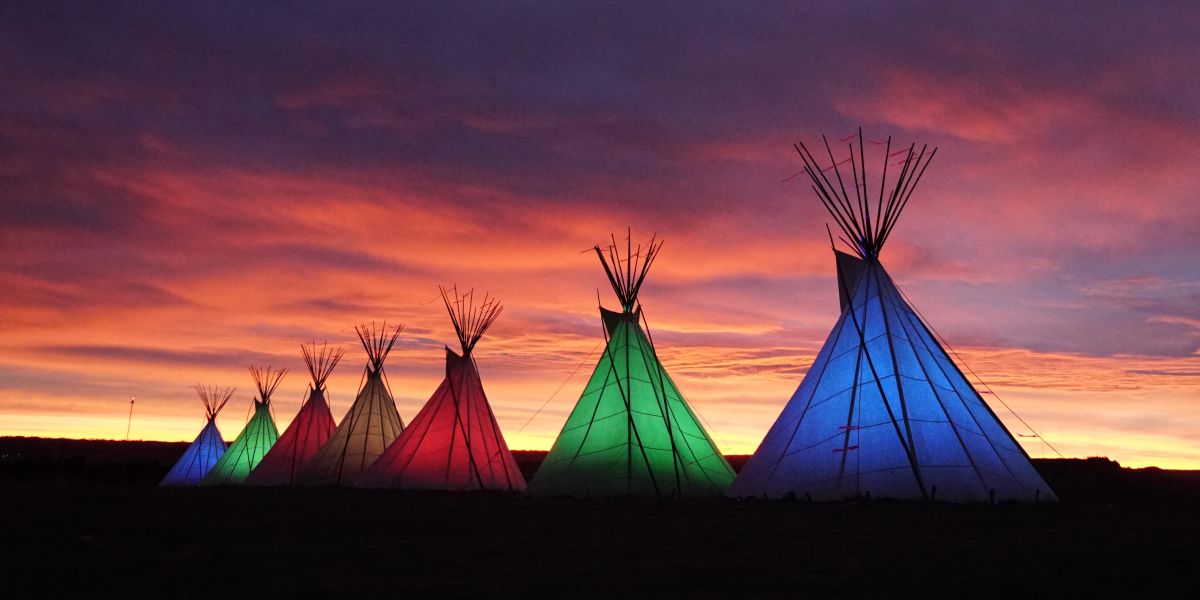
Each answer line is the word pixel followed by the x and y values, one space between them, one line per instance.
pixel 370 426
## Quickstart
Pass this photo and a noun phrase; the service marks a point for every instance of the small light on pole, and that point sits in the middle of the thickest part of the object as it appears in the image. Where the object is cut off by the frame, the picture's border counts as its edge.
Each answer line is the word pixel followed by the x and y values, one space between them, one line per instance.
pixel 129 425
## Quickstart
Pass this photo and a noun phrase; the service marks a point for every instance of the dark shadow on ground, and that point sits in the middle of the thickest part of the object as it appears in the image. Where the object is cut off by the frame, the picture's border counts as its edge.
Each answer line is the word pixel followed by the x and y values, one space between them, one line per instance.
pixel 78 521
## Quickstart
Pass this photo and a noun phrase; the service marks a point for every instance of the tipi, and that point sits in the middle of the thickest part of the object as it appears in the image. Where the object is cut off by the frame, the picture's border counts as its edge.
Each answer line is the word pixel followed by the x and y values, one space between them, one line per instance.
pixel 312 427
pixel 255 439
pixel 883 411
pixel 371 425
pixel 454 443
pixel 631 433
pixel 208 447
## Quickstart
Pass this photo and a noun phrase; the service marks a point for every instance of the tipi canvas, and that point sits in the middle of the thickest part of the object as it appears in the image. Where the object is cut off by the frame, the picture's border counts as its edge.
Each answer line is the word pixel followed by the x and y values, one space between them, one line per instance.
pixel 454 443
pixel 255 439
pixel 883 411
pixel 631 433
pixel 208 447
pixel 370 426
pixel 309 431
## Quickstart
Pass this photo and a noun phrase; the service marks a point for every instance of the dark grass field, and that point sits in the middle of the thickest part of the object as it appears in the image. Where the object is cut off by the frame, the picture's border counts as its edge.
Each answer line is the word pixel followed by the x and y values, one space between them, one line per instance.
pixel 84 518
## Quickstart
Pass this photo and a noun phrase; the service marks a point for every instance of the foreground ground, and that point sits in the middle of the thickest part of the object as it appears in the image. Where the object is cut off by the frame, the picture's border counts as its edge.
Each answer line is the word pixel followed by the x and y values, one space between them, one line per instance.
pixel 103 528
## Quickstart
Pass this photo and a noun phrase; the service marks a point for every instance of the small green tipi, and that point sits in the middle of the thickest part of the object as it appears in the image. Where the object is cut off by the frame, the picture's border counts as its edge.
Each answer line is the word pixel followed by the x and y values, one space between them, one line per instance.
pixel 631 433
pixel 255 439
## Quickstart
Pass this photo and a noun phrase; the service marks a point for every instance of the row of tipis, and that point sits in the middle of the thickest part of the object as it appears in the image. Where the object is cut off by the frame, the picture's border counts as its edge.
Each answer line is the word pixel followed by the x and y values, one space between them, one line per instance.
pixel 883 411
pixel 470 454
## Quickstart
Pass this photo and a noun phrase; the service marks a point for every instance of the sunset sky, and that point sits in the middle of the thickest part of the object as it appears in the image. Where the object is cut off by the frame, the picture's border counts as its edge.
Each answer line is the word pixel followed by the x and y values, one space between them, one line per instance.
pixel 187 190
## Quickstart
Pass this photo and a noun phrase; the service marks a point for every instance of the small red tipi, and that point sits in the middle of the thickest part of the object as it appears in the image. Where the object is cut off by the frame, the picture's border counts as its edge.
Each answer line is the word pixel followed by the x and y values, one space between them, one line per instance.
pixel 312 427
pixel 454 443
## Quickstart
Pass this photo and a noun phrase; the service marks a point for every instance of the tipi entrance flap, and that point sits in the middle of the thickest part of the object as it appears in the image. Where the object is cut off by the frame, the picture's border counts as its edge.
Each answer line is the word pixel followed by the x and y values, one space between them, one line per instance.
pixel 612 319
pixel 849 273
pixel 453 360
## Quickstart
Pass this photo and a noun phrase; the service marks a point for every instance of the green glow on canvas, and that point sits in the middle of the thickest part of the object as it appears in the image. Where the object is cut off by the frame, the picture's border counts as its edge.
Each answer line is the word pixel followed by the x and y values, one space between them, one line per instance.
pixel 247 450
pixel 632 433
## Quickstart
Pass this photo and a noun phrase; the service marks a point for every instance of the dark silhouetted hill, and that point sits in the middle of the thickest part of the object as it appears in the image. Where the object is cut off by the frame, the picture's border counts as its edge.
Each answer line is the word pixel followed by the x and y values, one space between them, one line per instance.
pixel 1091 480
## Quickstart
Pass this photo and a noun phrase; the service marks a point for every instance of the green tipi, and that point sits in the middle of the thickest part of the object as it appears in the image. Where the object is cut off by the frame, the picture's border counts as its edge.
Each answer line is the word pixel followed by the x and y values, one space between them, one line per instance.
pixel 631 433
pixel 255 439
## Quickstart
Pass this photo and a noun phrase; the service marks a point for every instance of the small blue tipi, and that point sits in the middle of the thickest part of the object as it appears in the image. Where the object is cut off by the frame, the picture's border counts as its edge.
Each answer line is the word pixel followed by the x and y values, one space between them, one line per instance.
pixel 208 448
pixel 883 411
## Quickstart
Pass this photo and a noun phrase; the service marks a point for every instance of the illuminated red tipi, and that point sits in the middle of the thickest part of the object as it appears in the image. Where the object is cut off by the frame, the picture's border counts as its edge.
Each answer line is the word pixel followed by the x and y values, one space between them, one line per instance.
pixel 454 443
pixel 309 431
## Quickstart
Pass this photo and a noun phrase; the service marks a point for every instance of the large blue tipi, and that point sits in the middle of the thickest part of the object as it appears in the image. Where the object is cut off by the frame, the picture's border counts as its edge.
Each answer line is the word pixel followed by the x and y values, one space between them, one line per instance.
pixel 883 411
pixel 208 448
